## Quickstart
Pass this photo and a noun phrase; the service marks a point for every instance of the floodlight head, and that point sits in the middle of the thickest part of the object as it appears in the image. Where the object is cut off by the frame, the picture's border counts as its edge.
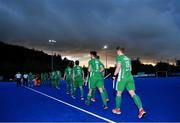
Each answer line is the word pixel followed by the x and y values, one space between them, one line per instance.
pixel 53 41
pixel 105 47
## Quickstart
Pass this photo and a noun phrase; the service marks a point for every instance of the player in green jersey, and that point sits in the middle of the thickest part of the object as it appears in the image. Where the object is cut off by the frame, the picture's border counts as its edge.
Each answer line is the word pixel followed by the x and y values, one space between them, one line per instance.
pixel 53 79
pixel 94 90
pixel 125 81
pixel 78 78
pixel 42 78
pixel 96 78
pixel 57 78
pixel 46 78
pixel 68 76
pixel 30 79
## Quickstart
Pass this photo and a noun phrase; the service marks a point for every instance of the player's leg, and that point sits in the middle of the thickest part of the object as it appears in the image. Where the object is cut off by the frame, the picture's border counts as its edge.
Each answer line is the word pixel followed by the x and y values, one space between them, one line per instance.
pixel 91 85
pixel 75 88
pixel 82 92
pixel 80 85
pixel 106 93
pixel 56 82
pixel 17 83
pixel 103 96
pixel 26 82
pixel 71 87
pixel 100 86
pixel 53 83
pixel 119 88
pixel 131 89
pixel 94 95
pixel 67 86
pixel 87 101
pixel 118 103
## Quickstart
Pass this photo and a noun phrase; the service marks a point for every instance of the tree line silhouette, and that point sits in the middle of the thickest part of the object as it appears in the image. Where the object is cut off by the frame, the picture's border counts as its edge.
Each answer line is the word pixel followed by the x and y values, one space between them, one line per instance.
pixel 20 59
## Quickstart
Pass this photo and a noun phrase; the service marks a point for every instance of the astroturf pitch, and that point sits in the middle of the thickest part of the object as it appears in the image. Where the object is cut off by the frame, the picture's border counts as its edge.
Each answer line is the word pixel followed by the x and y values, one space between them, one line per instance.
pixel 160 97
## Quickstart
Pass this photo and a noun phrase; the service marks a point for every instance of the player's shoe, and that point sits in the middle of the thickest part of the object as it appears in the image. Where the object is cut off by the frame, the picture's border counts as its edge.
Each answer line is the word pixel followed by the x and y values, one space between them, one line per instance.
pixel 87 102
pixel 73 97
pixel 93 99
pixel 57 88
pixel 141 113
pixel 82 98
pixel 67 93
pixel 105 107
pixel 116 111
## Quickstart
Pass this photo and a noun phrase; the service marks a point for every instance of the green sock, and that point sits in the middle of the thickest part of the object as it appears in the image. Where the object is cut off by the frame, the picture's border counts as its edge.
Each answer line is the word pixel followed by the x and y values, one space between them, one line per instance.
pixel 103 96
pixel 94 93
pixel 118 102
pixel 82 92
pixel 71 89
pixel 137 101
pixel 105 91
pixel 74 93
pixel 67 88
pixel 89 97
pixel 88 101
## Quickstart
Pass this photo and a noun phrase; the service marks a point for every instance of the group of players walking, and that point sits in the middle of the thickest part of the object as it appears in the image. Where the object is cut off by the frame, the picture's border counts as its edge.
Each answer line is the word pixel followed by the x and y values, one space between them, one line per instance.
pixel 75 78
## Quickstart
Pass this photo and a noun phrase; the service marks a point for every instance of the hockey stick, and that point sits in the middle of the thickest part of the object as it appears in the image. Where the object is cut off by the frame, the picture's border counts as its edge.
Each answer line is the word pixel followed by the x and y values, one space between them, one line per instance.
pixel 114 87
pixel 107 76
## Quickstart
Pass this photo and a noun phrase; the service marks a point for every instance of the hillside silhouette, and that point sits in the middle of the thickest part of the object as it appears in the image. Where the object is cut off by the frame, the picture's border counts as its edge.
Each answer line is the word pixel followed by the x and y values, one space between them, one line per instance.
pixel 21 59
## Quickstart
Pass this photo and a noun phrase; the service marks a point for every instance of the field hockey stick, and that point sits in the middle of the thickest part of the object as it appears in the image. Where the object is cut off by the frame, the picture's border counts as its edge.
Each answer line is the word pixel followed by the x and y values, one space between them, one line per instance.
pixel 114 87
pixel 114 83
pixel 107 76
pixel 87 79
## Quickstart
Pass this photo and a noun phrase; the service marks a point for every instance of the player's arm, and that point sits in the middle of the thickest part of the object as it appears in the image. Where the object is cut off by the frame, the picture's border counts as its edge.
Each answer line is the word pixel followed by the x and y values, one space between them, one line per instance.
pixel 82 71
pixel 118 67
pixel 87 79
pixel 73 75
pixel 102 69
pixel 89 68
pixel 64 75
pixel 88 73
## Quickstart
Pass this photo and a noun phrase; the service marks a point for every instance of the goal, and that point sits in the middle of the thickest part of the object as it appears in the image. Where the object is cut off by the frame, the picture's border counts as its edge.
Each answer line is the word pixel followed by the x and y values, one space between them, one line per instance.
pixel 162 74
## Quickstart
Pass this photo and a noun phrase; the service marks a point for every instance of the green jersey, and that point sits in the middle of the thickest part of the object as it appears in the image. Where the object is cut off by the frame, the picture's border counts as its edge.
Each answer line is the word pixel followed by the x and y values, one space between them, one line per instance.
pixel 125 78
pixel 57 74
pixel 46 76
pixel 78 71
pixel 68 72
pixel 125 65
pixel 53 75
pixel 96 65
pixel 30 77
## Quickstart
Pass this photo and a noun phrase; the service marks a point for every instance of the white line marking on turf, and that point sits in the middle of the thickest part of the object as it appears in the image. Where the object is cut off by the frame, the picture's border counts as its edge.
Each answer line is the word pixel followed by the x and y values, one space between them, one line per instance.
pixel 95 115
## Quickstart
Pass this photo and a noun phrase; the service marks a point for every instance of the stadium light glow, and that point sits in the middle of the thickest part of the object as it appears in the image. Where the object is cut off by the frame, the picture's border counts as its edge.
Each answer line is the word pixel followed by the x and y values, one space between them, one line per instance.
pixel 105 47
pixel 52 41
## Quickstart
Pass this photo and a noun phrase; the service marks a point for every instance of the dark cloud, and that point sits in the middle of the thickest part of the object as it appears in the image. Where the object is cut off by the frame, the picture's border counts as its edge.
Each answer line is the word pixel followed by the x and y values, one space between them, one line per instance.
pixel 147 28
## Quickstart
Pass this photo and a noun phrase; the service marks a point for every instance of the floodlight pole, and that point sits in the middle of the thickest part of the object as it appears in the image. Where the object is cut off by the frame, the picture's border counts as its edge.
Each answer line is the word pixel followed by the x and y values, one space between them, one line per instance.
pixel 52 42
pixel 105 48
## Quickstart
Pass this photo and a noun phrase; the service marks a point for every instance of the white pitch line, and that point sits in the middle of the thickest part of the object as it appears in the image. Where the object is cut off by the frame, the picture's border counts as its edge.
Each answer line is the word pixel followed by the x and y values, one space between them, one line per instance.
pixel 95 115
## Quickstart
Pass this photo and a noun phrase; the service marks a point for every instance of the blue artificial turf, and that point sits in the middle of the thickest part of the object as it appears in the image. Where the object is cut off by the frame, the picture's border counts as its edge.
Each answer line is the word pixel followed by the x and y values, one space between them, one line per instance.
pixel 160 97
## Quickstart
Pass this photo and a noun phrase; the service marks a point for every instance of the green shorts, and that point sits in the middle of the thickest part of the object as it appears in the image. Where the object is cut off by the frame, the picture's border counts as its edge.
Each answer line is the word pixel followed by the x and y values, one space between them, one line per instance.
pixel 69 80
pixel 127 83
pixel 96 80
pixel 78 81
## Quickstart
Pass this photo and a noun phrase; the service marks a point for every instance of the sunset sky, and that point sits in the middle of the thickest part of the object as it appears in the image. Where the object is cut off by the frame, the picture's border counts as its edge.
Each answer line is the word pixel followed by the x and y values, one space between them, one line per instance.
pixel 149 29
